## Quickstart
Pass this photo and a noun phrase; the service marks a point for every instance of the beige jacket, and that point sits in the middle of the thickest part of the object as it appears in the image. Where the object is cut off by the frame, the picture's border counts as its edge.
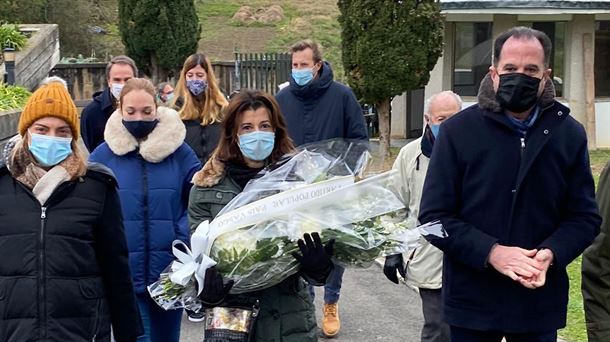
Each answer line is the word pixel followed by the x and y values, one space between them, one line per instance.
pixel 425 263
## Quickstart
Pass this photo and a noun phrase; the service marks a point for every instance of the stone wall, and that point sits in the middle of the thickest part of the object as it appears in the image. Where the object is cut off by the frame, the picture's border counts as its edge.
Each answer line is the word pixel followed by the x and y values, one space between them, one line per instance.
pixel 32 64
pixel 83 79
pixel 8 126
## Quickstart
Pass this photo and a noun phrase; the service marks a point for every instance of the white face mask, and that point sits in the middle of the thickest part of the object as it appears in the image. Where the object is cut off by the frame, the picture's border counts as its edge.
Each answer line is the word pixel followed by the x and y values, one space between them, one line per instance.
pixel 116 89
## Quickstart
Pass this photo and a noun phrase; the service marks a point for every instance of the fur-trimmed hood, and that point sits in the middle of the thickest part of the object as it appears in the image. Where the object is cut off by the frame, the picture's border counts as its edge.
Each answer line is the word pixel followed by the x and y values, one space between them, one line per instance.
pixel 487 96
pixel 211 174
pixel 164 140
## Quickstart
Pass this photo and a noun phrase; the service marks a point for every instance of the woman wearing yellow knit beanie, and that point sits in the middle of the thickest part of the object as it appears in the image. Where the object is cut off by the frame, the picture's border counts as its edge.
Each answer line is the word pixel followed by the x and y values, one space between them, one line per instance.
pixel 64 274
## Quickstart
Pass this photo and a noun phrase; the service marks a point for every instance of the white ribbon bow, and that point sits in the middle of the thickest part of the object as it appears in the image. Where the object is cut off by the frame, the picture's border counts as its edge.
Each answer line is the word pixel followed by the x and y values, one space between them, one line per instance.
pixel 192 262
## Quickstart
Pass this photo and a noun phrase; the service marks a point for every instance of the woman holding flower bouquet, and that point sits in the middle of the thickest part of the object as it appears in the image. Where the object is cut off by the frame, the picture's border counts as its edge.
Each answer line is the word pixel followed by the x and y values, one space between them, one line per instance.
pixel 145 149
pixel 254 136
pixel 64 273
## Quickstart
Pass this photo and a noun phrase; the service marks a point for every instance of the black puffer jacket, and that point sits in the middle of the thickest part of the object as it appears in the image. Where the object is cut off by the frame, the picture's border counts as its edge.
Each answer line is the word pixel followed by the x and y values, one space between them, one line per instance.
pixel 202 139
pixel 64 273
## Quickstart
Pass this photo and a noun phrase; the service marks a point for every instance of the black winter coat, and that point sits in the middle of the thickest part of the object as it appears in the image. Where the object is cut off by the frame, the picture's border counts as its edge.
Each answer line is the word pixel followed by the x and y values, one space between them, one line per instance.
pixel 94 117
pixel 64 273
pixel 322 109
pixel 202 139
pixel 488 187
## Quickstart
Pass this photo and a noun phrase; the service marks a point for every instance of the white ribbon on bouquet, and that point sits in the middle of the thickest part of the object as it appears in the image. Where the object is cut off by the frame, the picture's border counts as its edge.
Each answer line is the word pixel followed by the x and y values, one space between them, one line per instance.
pixel 192 262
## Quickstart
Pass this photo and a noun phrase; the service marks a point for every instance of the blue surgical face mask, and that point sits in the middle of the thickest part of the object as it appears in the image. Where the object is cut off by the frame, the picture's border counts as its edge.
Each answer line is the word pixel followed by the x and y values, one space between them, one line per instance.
pixel 116 90
pixel 49 150
pixel 196 87
pixel 169 97
pixel 140 129
pixel 435 129
pixel 257 145
pixel 302 76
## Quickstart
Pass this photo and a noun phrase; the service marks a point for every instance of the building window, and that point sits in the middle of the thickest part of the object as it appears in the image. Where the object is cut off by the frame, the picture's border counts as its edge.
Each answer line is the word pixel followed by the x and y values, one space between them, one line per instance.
pixel 556 32
pixel 472 56
pixel 602 58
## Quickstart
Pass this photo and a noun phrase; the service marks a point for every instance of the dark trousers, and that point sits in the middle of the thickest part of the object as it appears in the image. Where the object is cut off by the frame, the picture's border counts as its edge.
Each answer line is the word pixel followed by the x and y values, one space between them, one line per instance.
pixel 434 330
pixel 467 335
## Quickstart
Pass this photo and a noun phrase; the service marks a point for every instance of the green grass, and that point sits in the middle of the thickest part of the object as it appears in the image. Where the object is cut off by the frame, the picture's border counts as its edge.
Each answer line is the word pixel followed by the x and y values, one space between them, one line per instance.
pixel 575 330
pixel 302 20
pixel 217 8
pixel 319 23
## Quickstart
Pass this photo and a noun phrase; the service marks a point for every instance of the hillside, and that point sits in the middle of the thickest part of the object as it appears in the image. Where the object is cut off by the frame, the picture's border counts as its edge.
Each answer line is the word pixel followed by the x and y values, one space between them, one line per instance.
pixel 221 36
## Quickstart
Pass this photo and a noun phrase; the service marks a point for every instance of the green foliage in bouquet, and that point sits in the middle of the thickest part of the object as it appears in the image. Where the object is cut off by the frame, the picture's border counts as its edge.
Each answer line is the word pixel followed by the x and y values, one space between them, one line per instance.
pixel 359 246
pixel 258 263
pixel 168 292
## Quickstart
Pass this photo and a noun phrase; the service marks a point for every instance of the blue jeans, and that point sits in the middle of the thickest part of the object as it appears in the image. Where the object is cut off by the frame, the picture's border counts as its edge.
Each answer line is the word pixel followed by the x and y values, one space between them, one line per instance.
pixel 332 288
pixel 159 325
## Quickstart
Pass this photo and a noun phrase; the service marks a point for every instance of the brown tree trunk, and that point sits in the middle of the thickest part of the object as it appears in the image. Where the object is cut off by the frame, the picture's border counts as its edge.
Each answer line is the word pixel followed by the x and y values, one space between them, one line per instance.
pixel 383 112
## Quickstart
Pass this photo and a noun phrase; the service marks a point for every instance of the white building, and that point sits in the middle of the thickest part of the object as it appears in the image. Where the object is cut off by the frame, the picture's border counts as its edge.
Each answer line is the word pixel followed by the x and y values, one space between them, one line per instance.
pixel 472 25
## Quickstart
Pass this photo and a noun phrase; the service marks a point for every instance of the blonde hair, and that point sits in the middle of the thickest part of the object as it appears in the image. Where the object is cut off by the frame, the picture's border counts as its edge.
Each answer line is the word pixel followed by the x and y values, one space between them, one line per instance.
pixel 137 84
pixel 208 107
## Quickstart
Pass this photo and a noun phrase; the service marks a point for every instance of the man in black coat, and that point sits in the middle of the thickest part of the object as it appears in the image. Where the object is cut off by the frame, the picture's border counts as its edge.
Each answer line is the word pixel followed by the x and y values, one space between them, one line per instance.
pixel 318 108
pixel 511 183
pixel 315 106
pixel 93 119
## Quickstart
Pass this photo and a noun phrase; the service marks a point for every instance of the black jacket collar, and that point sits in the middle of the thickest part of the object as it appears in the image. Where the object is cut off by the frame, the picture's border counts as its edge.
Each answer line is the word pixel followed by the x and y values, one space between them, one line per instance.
pixel 105 99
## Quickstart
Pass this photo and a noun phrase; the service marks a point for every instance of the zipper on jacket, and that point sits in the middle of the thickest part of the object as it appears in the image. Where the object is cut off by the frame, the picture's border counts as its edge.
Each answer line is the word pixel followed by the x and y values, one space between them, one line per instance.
pixel 41 278
pixel 146 222
pixel 522 146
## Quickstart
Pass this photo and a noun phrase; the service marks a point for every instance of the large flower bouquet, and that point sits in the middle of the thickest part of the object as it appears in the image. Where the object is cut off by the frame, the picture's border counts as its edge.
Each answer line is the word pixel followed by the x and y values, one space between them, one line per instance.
pixel 320 189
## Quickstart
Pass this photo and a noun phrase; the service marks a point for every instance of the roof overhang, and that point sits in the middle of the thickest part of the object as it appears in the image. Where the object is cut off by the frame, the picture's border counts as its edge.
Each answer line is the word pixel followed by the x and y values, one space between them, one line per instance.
pixel 551 7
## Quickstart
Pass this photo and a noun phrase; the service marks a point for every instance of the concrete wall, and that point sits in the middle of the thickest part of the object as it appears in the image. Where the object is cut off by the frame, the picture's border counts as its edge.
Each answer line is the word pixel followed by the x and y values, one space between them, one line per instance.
pixel 8 126
pixel 399 116
pixel 602 123
pixel 574 64
pixel 83 79
pixel 40 55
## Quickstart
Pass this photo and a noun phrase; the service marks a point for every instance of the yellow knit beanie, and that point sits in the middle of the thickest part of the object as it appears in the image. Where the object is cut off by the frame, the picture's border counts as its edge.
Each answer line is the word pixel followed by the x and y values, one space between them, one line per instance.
pixel 50 99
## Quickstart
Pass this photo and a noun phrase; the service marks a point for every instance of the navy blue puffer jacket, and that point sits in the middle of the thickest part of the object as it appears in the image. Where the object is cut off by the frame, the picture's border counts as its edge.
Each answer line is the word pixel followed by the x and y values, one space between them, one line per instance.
pixel 154 179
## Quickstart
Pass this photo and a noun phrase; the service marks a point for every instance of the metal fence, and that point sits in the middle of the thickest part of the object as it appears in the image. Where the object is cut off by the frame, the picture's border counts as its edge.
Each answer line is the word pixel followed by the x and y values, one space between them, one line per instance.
pixel 262 71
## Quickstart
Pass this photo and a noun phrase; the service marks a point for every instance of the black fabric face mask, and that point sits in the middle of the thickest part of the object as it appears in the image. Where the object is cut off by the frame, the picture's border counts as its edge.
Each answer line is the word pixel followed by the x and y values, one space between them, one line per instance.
pixel 140 129
pixel 517 92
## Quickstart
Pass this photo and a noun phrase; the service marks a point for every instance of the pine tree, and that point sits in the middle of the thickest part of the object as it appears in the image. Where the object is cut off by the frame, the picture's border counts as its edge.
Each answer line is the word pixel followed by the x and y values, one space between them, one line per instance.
pixel 389 47
pixel 159 34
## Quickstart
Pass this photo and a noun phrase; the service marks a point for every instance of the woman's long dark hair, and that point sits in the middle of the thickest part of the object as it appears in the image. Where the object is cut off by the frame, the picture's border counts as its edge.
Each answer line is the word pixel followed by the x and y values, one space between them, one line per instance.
pixel 228 147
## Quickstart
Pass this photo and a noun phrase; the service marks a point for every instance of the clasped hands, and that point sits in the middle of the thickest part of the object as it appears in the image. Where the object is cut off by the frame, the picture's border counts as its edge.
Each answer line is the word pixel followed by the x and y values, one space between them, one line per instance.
pixel 525 266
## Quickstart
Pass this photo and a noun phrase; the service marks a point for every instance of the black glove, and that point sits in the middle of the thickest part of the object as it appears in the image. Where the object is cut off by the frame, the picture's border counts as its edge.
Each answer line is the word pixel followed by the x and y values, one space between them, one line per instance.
pixel 392 264
pixel 214 288
pixel 315 259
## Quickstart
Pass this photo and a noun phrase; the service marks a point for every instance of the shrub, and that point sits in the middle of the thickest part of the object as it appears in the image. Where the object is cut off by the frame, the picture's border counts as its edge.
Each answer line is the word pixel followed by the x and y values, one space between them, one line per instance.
pixel 10 36
pixel 12 97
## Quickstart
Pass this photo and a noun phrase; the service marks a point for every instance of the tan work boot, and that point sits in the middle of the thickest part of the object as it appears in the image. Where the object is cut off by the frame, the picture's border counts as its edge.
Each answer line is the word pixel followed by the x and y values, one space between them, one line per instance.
pixel 330 320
